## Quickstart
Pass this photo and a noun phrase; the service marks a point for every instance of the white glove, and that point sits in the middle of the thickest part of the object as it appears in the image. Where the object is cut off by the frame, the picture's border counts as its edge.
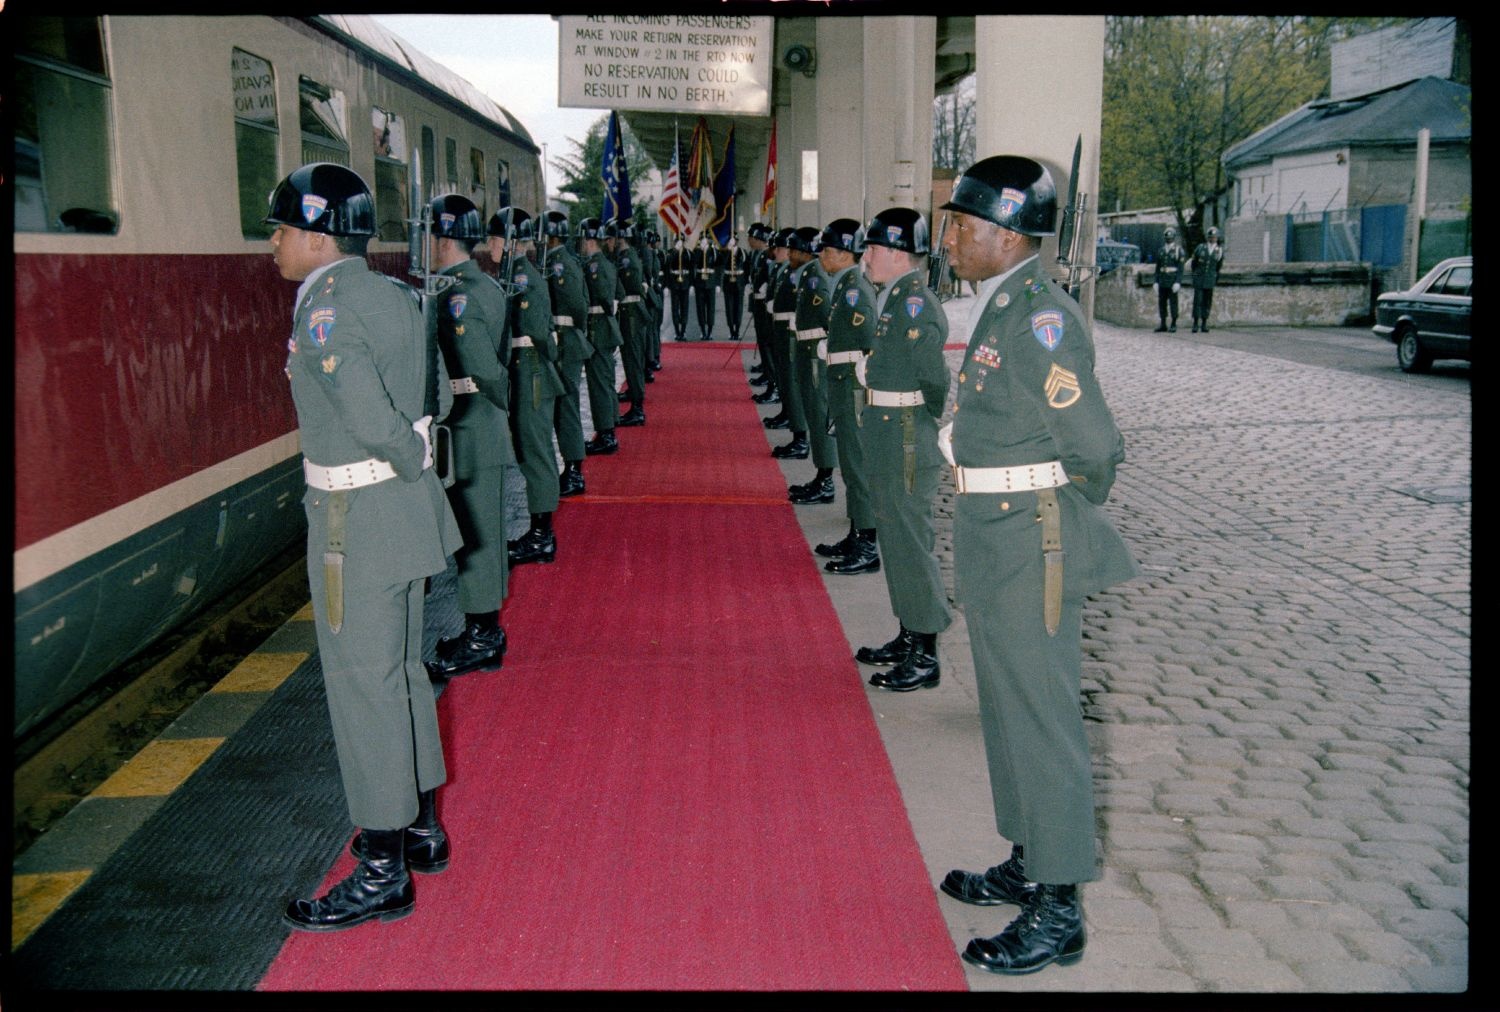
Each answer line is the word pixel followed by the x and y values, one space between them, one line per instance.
pixel 945 442
pixel 859 369
pixel 1177 287
pixel 423 427
pixel 822 349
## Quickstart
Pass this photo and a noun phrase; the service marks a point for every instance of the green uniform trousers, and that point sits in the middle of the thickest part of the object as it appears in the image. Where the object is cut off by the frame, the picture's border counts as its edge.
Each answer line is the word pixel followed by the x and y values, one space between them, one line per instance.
pixel 844 413
pixel 782 340
pixel 604 409
pixel 538 459
pixel 483 566
pixel 567 416
pixel 812 391
pixel 903 515
pixel 633 328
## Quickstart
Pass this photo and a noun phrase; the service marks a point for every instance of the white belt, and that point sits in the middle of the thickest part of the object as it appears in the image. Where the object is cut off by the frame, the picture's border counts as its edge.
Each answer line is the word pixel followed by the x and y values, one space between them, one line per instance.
pixel 1024 478
pixel 844 357
pixel 521 342
pixel 894 399
pixel 629 299
pixel 814 334
pixel 784 317
pixel 563 321
pixel 346 476
pixel 464 385
pixel 734 274
pixel 705 274
pixel 596 310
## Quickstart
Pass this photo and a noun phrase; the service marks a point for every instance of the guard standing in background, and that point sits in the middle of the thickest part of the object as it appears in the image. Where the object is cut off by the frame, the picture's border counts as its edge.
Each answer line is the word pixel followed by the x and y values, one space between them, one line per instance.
pixel 1034 449
pixel 851 331
pixel 635 319
pixel 534 381
pixel 809 327
pixel 651 262
pixel 762 374
pixel 708 274
pixel 570 310
pixel 735 273
pixel 907 380
pixel 1206 259
pixel 678 271
pixel 602 280
pixel 1169 278
pixel 783 306
pixel 470 322
pixel 358 365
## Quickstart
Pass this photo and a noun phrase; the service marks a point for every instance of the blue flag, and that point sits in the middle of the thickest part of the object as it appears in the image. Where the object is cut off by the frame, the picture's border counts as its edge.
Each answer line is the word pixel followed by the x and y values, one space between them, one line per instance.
pixel 616 180
pixel 724 194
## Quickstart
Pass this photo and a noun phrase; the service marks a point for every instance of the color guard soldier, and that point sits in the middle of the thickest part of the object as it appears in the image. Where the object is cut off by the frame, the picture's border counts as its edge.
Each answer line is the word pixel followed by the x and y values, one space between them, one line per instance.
pixel 762 374
pixel 470 322
pixel 1169 278
pixel 851 329
pixel 570 312
pixel 678 271
pixel 907 380
pixel 809 327
pixel 782 303
pixel 533 379
pixel 708 275
pixel 635 318
pixel 358 363
pixel 602 281
pixel 735 272
pixel 1034 450
pixel 651 262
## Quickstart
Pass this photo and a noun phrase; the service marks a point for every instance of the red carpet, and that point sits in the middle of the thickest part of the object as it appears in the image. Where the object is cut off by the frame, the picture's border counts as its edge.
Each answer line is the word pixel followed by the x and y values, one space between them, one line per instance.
pixel 676 781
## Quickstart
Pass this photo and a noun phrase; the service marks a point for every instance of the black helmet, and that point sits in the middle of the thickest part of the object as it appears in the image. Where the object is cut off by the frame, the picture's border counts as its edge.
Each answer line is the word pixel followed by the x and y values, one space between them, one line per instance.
pixel 591 228
pixel 804 239
pixel 845 234
pixel 782 238
pixel 624 228
pixel 323 197
pixel 513 218
pixel 759 230
pixel 1213 233
pixel 899 228
pixel 652 237
pixel 555 224
pixel 1169 233
pixel 1013 192
pixel 455 217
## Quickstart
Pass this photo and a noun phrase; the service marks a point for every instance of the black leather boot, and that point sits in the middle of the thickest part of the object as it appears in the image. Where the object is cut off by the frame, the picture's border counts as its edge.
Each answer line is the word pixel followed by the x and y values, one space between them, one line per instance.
pixel 481 645
pixel 538 544
pixel 917 670
pixel 795 450
pixel 570 482
pixel 380 886
pixel 819 490
pixel 635 416
pixel 603 443
pixel 426 844
pixel 837 549
pixel 862 558
pixel 1004 883
pixel 780 420
pixel 1049 930
pixel 887 653
pixel 768 396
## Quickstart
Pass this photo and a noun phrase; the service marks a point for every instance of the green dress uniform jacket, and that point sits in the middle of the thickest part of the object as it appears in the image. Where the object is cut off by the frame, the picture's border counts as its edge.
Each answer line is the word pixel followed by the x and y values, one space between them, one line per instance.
pixel 851 331
pixel 1027 395
pixel 635 322
pixel 570 314
pixel 900 448
pixel 651 266
pixel 760 314
pixel 357 366
pixel 1206 260
pixel 602 280
pixel 470 321
pixel 534 383
pixel 783 336
pixel 812 386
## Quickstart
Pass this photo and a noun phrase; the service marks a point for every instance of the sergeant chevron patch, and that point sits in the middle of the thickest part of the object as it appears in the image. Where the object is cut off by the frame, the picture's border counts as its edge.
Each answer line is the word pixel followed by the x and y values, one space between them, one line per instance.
pixel 1062 387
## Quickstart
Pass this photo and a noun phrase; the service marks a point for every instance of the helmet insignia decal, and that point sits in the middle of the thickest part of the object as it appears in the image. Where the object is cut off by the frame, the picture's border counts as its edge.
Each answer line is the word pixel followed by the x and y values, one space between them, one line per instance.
pixel 320 324
pixel 446 219
pixel 893 232
pixel 1047 327
pixel 456 305
pixel 1062 387
pixel 312 206
pixel 914 306
pixel 1011 201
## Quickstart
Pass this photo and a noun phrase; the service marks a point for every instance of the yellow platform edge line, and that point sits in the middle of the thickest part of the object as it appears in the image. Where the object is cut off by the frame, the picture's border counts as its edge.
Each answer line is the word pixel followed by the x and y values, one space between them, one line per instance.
pixel 263 671
pixel 158 769
pixel 34 897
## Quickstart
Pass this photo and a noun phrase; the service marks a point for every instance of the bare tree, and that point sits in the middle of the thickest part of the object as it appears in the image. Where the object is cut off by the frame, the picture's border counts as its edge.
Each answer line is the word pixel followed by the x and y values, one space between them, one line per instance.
pixel 953 136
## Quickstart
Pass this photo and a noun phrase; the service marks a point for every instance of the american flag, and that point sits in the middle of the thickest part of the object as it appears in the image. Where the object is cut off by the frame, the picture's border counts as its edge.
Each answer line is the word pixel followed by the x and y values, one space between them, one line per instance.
pixel 674 205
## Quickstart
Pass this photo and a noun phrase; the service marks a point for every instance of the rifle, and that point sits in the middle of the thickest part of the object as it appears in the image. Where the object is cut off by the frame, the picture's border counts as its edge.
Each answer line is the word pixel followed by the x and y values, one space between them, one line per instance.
pixel 419 264
pixel 937 265
pixel 1070 236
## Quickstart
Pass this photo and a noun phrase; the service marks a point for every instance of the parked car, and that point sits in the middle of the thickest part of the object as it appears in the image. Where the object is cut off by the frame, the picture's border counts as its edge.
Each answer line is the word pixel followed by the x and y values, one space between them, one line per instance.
pixel 1430 320
pixel 1110 254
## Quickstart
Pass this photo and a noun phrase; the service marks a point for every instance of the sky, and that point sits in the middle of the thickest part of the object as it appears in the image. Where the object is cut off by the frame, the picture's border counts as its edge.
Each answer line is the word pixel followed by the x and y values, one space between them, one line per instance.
pixel 512 58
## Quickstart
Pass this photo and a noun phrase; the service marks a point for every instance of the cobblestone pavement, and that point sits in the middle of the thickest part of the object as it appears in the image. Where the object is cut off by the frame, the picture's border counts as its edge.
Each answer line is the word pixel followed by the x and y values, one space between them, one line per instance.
pixel 1279 704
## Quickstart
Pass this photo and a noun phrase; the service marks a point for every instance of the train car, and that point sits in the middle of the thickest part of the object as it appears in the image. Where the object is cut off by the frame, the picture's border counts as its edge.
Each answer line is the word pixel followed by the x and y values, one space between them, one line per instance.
pixel 157 463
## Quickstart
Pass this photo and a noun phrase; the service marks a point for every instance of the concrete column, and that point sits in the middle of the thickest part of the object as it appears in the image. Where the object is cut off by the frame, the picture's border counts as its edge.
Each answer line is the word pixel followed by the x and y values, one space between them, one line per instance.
pixel 899 54
pixel 1040 86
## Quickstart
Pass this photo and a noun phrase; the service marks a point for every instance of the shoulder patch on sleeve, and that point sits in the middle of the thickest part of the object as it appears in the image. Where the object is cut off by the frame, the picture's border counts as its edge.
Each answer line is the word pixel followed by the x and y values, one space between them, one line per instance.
pixel 320 324
pixel 1047 327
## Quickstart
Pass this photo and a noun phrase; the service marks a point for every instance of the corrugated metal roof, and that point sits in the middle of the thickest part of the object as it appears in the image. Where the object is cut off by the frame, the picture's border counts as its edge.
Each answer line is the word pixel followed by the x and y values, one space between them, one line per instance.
pixel 1392 116
pixel 374 36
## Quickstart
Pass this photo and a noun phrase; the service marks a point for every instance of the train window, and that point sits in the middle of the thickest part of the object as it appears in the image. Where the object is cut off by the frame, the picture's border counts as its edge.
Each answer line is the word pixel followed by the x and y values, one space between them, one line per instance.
pixel 476 180
pixel 64 133
pixel 255 138
pixel 325 132
pixel 502 182
pixel 389 134
pixel 450 149
pixel 429 162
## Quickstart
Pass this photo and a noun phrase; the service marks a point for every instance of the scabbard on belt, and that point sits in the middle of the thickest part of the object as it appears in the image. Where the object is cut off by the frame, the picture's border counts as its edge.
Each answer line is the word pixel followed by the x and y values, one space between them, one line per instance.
pixel 333 560
pixel 909 448
pixel 1052 558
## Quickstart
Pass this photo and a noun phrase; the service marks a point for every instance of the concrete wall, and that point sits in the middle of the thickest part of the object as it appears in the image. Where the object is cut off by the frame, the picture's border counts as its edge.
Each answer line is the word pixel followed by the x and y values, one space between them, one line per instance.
pixel 1299 294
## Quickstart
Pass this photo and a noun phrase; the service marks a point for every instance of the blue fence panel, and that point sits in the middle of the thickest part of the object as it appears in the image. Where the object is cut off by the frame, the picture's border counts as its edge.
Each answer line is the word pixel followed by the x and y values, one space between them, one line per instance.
pixel 1382 234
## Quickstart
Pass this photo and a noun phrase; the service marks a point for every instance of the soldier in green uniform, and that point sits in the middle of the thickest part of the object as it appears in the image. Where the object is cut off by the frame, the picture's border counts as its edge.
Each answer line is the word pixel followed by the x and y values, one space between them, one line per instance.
pixel 1034 449
pixel 851 329
pixel 810 327
pixel 570 313
pixel 678 271
pixel 1207 257
pixel 534 381
pixel 907 389
pixel 1169 278
pixel 782 304
pixel 635 318
pixel 651 262
pixel 735 266
pixel 378 524
pixel 759 274
pixel 602 281
pixel 708 275
pixel 470 325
